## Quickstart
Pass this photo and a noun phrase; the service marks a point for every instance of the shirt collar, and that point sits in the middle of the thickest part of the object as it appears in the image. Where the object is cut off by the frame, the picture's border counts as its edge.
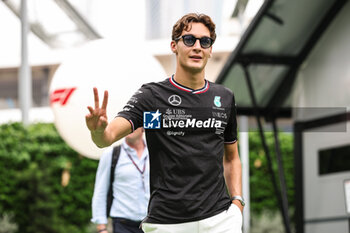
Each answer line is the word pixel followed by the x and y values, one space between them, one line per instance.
pixel 132 151
pixel 183 88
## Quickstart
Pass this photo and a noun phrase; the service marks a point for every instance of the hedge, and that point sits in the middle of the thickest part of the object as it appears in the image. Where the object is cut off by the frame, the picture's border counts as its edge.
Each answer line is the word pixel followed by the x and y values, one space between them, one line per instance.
pixel 33 159
pixel 262 193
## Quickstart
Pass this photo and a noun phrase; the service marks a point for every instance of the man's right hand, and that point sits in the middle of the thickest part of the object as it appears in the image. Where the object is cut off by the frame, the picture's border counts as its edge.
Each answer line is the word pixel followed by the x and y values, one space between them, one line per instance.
pixel 103 133
pixel 96 120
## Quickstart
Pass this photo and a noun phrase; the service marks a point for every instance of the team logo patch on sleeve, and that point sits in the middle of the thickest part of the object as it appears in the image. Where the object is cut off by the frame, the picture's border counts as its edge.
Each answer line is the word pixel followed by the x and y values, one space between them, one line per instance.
pixel 151 120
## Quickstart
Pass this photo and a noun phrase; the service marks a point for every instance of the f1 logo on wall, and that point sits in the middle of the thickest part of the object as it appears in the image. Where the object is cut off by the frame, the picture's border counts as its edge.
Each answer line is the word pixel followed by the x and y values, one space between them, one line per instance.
pixel 151 120
pixel 61 95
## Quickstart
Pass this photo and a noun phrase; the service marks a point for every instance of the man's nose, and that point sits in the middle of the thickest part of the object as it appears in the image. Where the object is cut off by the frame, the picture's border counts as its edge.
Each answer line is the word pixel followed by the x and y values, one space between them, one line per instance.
pixel 197 44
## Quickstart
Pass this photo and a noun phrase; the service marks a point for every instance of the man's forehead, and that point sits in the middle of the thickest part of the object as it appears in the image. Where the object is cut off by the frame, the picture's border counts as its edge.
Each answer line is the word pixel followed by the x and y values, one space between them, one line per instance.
pixel 196 29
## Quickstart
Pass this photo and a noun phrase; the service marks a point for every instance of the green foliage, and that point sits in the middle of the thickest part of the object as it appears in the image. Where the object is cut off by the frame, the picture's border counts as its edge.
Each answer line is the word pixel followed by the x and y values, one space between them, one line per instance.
pixel 32 160
pixel 262 194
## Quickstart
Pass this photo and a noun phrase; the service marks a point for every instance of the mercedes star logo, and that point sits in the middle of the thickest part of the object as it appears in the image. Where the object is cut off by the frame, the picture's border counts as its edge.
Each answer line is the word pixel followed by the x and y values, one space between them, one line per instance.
pixel 174 100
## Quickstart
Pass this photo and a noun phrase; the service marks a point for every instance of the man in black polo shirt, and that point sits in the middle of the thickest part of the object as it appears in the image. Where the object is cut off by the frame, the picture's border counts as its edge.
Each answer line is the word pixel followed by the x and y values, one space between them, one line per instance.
pixel 191 132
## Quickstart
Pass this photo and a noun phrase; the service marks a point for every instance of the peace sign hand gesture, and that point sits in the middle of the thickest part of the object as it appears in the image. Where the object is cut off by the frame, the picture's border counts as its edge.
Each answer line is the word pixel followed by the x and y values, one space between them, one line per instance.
pixel 96 120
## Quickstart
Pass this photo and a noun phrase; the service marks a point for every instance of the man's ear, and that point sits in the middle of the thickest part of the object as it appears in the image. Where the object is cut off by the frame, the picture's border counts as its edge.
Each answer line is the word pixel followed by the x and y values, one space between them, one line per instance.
pixel 210 54
pixel 173 46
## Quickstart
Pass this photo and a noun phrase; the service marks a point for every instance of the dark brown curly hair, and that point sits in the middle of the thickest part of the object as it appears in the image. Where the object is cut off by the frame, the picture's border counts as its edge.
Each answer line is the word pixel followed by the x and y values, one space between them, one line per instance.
pixel 184 24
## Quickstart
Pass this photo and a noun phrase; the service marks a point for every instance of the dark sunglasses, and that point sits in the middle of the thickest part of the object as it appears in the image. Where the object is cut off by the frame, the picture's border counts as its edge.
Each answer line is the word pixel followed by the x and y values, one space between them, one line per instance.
pixel 190 40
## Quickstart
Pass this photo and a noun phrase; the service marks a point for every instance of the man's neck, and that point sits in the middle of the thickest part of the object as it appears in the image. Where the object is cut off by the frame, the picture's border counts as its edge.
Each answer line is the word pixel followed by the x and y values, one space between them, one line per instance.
pixel 191 80
pixel 137 144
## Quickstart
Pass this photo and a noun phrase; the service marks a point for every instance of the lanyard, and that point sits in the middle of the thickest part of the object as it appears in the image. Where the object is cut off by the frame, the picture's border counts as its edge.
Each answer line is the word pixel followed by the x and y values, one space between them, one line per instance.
pixel 142 172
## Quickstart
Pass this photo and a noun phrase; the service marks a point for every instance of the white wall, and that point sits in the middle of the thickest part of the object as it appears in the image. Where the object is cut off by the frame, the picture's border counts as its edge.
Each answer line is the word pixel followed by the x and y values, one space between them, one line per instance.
pixel 324 79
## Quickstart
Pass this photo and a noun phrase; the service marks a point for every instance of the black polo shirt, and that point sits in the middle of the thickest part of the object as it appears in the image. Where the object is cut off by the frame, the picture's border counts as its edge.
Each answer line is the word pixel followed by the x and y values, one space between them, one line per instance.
pixel 185 131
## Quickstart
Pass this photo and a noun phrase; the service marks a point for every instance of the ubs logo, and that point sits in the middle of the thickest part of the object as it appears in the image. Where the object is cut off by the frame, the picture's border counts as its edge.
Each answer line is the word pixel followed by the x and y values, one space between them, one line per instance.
pixel 174 100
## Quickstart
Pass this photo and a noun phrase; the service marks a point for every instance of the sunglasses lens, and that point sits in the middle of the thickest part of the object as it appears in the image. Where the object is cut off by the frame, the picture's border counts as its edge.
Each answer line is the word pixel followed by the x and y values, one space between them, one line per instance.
pixel 189 40
pixel 205 42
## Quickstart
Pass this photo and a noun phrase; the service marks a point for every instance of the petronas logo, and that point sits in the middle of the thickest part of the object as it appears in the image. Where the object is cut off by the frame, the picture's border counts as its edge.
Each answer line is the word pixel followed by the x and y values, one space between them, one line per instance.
pixel 217 101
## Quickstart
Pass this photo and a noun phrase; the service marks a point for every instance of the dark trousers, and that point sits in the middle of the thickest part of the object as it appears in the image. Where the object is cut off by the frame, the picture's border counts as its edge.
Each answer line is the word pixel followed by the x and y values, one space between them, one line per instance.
pixel 122 225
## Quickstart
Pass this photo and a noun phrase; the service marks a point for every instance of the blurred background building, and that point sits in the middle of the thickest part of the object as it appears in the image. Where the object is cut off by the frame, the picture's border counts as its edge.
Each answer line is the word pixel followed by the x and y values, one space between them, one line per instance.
pixel 294 53
pixel 57 26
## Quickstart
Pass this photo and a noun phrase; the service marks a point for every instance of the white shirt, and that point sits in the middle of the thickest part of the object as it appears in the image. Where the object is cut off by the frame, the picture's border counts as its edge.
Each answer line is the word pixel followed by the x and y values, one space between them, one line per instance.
pixel 130 191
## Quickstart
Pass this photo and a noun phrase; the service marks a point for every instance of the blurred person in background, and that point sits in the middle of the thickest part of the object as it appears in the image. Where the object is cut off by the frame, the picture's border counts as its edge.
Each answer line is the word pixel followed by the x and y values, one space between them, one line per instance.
pixel 130 186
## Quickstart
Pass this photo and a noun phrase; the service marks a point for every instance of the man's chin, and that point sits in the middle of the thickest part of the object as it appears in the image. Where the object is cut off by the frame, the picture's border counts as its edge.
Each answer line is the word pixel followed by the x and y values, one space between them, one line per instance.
pixel 196 68
pixel 193 68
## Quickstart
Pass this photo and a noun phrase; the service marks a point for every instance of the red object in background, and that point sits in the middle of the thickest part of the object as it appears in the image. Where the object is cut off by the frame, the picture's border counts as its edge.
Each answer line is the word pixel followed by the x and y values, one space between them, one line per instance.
pixel 61 95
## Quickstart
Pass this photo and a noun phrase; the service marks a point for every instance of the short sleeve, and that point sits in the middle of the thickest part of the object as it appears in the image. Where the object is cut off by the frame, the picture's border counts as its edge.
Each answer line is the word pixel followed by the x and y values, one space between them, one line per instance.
pixel 230 135
pixel 140 102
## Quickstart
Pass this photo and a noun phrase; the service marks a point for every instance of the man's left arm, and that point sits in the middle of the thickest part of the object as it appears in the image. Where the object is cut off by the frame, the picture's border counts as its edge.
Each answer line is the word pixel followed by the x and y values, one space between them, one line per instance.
pixel 233 172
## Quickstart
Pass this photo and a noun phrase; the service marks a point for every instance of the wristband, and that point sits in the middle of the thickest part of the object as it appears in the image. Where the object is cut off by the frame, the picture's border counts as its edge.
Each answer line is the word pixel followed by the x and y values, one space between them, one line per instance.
pixel 104 229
